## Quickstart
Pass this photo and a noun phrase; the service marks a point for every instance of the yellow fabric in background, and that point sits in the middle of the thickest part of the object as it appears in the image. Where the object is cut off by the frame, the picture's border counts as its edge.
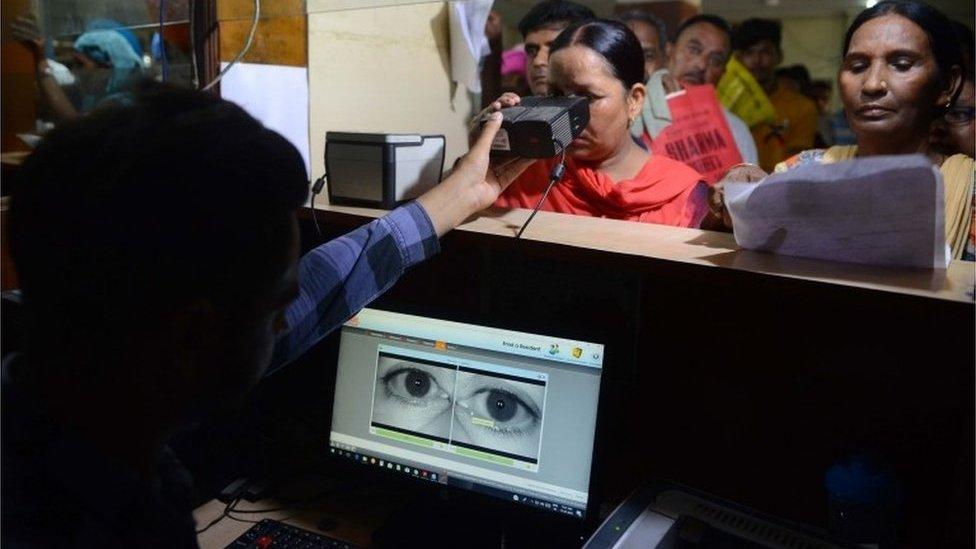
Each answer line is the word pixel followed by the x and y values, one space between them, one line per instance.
pixel 957 177
pixel 741 94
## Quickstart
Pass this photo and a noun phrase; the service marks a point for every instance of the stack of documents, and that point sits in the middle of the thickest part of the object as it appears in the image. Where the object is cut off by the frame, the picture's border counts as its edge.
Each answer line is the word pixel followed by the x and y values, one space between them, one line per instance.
pixel 881 210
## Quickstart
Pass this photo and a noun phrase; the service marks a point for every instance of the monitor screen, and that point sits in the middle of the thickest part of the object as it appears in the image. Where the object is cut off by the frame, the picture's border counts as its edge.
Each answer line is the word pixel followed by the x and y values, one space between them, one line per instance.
pixel 505 413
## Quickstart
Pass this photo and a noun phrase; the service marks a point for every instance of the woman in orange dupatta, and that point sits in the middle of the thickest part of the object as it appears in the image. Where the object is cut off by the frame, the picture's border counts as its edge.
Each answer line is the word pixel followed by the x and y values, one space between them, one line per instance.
pixel 607 174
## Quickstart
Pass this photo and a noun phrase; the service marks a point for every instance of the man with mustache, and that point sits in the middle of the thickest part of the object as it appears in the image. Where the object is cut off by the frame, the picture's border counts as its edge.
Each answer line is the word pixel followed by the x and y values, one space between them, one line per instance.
pixel 697 57
pixel 539 28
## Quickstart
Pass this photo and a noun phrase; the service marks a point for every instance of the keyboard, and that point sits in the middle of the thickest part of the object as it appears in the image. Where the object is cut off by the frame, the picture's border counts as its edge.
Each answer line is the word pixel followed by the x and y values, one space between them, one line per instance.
pixel 271 534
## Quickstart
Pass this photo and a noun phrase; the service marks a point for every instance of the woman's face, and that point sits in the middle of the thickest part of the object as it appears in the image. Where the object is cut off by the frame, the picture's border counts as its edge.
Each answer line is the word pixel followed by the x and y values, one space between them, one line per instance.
pixel 889 80
pixel 578 70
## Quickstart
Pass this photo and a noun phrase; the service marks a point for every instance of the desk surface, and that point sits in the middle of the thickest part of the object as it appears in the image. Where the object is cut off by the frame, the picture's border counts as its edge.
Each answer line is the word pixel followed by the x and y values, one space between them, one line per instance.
pixel 706 249
pixel 356 515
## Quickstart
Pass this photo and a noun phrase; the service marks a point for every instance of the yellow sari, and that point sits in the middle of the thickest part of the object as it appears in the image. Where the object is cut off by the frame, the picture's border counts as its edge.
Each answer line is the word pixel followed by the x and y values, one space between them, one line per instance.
pixel 957 177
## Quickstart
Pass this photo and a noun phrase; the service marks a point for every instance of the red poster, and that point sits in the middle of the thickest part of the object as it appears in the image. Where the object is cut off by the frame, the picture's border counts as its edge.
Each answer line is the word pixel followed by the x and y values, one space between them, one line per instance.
pixel 698 134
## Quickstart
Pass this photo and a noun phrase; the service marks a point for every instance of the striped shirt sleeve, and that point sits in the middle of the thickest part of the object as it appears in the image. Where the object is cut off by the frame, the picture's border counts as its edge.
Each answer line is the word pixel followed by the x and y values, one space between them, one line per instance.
pixel 342 276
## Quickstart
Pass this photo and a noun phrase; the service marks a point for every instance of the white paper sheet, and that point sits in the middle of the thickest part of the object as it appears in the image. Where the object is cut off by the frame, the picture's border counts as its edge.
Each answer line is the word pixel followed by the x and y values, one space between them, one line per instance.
pixel 277 95
pixel 468 41
pixel 883 210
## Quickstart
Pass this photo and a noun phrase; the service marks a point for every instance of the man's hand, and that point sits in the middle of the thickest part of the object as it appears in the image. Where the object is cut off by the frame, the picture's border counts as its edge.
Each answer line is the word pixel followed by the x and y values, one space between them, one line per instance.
pixel 744 173
pixel 508 99
pixel 475 182
pixel 25 30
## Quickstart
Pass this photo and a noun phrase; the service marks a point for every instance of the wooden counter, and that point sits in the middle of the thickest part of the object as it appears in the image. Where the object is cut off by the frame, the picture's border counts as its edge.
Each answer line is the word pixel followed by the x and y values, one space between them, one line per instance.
pixel 700 248
pixel 739 373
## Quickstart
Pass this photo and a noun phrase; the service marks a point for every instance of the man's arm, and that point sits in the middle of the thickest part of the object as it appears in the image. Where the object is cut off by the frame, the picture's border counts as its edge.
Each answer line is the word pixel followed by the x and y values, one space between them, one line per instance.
pixel 25 30
pixel 342 276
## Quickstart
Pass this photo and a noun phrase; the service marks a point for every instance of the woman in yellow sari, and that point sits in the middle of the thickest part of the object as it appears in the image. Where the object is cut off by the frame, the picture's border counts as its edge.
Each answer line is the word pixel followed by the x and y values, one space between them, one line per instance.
pixel 902 70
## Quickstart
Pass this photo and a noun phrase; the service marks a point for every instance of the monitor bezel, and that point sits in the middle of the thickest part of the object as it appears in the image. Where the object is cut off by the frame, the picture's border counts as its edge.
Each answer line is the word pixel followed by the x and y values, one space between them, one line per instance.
pixel 585 525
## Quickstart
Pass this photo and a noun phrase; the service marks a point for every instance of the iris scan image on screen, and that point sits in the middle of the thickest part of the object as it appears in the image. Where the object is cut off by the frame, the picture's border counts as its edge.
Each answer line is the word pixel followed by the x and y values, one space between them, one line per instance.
pixel 414 395
pixel 499 415
pixel 507 414
pixel 479 409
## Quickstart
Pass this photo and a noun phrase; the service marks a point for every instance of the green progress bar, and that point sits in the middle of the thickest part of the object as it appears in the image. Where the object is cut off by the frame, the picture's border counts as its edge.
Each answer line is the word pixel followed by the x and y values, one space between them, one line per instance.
pixel 410 439
pixel 403 437
pixel 487 457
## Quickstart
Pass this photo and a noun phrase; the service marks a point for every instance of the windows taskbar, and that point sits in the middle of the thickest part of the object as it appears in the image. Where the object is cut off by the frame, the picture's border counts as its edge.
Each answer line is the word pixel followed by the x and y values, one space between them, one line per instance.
pixel 408 470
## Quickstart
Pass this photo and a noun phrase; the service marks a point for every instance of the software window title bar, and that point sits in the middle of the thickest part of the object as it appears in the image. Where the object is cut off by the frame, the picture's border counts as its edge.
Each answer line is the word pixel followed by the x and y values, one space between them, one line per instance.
pixel 566 351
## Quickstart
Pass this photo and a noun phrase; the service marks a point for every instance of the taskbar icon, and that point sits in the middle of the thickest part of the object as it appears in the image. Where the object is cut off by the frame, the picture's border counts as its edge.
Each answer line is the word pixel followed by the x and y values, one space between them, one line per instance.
pixel 391 466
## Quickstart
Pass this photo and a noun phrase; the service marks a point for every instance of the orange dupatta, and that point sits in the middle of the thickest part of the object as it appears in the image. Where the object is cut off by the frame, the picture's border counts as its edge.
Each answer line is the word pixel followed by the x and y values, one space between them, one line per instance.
pixel 665 191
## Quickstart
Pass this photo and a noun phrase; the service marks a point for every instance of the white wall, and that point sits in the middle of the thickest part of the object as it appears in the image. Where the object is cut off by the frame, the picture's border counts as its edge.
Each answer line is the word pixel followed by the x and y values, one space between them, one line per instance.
pixel 816 43
pixel 384 69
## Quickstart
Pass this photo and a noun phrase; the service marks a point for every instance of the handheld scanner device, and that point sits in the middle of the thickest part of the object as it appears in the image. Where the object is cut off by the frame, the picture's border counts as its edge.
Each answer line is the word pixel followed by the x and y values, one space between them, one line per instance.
pixel 540 127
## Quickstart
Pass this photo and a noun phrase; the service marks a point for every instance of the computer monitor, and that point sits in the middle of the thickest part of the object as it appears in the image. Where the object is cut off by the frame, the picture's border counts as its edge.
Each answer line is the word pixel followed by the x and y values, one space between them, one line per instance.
pixel 504 413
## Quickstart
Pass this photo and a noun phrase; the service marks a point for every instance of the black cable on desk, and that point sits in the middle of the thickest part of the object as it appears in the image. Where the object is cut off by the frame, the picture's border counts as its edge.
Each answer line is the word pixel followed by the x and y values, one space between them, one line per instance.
pixel 224 514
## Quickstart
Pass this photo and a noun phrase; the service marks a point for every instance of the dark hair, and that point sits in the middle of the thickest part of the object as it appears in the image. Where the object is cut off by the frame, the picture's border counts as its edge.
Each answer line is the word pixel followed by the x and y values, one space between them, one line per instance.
pixel 650 19
pixel 965 36
pixel 553 13
pixel 752 31
pixel 134 210
pixel 713 20
pixel 613 41
pixel 820 86
pixel 798 73
pixel 942 37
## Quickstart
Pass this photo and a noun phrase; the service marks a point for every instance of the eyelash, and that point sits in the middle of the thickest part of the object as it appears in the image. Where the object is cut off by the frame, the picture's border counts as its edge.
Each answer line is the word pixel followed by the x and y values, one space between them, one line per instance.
pixel 407 401
pixel 504 431
pixel 900 65
pixel 530 409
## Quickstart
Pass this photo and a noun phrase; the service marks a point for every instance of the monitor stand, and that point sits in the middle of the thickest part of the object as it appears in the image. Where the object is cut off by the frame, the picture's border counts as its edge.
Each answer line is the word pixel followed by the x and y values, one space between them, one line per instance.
pixel 456 520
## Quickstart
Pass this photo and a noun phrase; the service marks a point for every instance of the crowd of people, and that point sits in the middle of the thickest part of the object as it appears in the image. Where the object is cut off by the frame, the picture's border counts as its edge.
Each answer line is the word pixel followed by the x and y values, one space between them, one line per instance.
pixel 905 82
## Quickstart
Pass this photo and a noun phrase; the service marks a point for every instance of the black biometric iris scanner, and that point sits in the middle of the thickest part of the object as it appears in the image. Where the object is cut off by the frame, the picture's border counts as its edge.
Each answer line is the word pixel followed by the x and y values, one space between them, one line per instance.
pixel 540 127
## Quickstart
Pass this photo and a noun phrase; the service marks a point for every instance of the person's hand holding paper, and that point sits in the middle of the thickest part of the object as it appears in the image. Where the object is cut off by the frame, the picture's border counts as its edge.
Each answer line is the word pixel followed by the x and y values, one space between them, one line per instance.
pixel 883 210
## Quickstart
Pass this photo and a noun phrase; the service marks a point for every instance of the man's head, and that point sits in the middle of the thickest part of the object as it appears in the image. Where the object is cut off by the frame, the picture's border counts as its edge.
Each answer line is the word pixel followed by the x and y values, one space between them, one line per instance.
pixel 156 246
pixel 820 92
pixel 701 49
pixel 757 45
pixel 795 78
pixel 653 36
pixel 539 28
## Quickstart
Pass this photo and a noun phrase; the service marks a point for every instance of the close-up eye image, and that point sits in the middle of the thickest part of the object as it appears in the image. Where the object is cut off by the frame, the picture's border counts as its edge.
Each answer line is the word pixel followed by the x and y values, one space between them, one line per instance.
pixel 498 414
pixel 413 395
